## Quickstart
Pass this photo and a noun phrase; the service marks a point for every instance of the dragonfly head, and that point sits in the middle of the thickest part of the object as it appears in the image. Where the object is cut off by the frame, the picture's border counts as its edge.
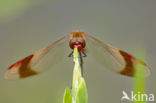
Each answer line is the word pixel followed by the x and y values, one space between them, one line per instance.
pixel 78 42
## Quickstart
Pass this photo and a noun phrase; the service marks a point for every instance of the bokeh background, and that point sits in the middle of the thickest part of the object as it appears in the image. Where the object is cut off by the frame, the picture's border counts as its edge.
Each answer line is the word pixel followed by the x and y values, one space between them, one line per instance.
pixel 29 25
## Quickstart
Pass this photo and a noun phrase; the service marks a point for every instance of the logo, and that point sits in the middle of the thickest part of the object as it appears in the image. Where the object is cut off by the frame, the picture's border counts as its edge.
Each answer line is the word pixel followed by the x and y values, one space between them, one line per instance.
pixel 141 97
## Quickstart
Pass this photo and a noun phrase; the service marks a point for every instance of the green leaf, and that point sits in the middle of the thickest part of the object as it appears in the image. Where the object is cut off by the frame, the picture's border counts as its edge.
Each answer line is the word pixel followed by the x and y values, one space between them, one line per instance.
pixel 79 90
pixel 75 54
pixel 67 96
pixel 82 96
pixel 139 83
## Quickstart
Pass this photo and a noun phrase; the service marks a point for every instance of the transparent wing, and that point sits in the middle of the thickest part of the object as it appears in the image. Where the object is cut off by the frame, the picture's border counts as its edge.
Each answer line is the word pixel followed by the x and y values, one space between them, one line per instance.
pixel 40 60
pixel 112 57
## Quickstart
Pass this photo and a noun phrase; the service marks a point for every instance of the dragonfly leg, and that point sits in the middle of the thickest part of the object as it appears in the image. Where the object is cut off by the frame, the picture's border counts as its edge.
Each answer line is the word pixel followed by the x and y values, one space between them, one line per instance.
pixel 71 54
pixel 84 54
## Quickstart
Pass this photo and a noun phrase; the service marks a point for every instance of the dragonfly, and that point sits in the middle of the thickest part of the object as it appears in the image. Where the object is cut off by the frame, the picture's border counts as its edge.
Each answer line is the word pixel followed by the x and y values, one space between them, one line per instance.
pixel 111 57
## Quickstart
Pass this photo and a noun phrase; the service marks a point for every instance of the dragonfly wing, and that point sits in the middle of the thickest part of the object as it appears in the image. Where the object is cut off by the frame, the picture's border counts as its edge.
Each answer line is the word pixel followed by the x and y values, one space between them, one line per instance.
pixel 112 57
pixel 40 60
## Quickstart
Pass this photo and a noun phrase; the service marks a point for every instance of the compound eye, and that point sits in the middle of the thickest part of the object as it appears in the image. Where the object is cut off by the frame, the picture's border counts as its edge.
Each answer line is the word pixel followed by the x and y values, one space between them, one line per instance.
pixel 82 43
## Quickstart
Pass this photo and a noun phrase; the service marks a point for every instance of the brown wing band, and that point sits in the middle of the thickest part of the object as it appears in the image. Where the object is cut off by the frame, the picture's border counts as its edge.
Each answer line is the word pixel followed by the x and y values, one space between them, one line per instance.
pixel 129 66
pixel 25 69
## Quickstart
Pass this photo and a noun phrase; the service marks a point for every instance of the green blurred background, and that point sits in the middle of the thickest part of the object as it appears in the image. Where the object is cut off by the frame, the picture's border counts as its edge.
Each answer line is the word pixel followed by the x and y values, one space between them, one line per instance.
pixel 29 25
